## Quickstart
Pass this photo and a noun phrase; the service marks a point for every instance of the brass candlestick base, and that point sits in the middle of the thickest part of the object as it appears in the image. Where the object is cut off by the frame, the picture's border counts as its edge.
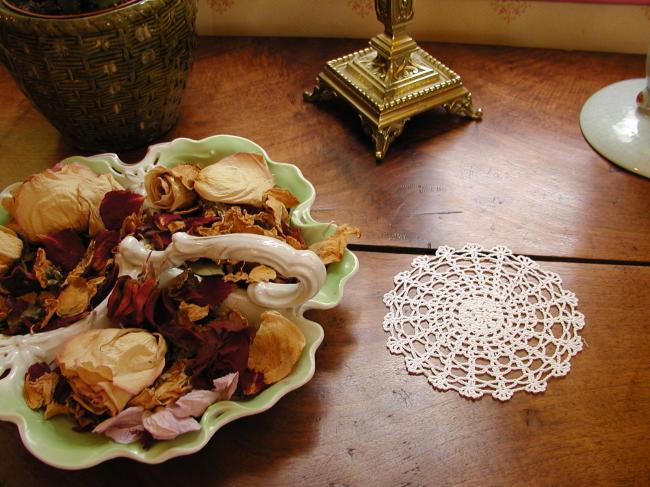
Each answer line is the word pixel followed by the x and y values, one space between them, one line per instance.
pixel 392 80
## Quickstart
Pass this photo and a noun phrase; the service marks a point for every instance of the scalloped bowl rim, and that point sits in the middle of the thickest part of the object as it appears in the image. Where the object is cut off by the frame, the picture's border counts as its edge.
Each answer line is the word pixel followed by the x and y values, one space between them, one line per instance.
pixel 223 412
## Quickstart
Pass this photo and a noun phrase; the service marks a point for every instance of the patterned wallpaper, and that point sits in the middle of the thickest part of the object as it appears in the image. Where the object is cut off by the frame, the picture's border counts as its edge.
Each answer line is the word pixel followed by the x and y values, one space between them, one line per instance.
pixel 600 26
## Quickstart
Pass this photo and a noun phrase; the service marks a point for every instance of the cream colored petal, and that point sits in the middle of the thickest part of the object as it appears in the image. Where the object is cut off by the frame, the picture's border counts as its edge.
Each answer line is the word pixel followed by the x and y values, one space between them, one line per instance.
pixel 171 189
pixel 75 297
pixel 107 367
pixel 11 247
pixel 261 273
pixel 55 200
pixel 240 178
pixel 276 348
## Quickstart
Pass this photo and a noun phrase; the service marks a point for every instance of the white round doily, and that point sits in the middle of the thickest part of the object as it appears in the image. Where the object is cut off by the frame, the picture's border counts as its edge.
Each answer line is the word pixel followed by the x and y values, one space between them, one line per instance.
pixel 481 321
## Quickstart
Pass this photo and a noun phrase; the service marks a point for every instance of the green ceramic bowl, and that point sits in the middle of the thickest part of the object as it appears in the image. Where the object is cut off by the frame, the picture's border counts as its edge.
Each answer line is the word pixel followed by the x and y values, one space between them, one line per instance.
pixel 55 442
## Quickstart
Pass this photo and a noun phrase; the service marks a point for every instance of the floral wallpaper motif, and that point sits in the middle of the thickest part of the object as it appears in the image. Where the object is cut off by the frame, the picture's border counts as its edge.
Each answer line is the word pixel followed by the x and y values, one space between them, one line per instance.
pixel 362 8
pixel 509 10
pixel 511 22
pixel 220 6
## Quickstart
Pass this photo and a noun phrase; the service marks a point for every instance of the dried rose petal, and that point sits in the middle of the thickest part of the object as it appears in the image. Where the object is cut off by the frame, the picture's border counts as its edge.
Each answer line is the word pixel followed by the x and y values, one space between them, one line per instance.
pixel 127 303
pixel 163 425
pixel 37 369
pixel 199 221
pixel 160 240
pixel 163 219
pixel 109 366
pixel 58 322
pixel 240 178
pixel 332 248
pixel 195 403
pixel 171 189
pixel 117 205
pixel 276 348
pixel 11 248
pixel 19 281
pixel 251 382
pixel 211 291
pixel 64 248
pixel 54 200
pixel 123 428
pixel 105 243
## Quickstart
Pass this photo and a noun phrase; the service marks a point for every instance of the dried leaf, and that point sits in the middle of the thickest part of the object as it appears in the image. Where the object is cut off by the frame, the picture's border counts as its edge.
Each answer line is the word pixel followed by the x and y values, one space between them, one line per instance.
pixel 332 248
pixel 171 385
pixel 192 312
pixel 76 295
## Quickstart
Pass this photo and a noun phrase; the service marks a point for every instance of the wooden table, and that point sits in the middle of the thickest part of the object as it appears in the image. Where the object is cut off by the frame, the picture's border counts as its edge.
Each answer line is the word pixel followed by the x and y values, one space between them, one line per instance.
pixel 524 178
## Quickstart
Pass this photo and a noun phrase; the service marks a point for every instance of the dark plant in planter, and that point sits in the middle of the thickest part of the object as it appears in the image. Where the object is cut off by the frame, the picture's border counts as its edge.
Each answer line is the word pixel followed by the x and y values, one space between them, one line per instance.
pixel 108 80
pixel 64 7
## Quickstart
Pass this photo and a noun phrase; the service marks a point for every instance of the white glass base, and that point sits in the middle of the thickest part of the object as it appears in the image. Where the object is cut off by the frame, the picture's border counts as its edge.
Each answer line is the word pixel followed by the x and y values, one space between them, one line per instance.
pixel 616 128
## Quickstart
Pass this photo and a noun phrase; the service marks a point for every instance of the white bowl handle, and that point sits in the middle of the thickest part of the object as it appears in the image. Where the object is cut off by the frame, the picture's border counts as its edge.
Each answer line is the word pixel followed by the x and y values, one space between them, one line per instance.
pixel 304 265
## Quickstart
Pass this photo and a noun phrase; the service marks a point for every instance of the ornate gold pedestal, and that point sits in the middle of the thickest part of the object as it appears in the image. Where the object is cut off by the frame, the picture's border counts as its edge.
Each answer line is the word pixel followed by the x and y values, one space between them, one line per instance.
pixel 392 80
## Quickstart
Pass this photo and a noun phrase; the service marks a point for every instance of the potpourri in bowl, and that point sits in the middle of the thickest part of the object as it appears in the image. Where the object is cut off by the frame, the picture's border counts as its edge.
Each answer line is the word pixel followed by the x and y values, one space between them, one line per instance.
pixel 200 260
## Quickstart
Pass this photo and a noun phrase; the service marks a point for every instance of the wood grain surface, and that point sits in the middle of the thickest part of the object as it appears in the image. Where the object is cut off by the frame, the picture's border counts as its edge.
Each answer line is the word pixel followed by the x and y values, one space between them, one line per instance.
pixel 524 177
pixel 363 421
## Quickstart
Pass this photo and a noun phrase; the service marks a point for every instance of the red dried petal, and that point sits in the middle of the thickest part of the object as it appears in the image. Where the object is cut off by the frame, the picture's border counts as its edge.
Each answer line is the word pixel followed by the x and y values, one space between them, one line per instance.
pixel 199 221
pixel 295 233
pixel 221 352
pixel 119 301
pixel 159 309
pixel 105 288
pixel 159 240
pixel 64 248
pixel 251 382
pixel 19 281
pixel 127 303
pixel 57 322
pixel 161 220
pixel 117 205
pixel 36 370
pixel 106 242
pixel 142 294
pixel 210 291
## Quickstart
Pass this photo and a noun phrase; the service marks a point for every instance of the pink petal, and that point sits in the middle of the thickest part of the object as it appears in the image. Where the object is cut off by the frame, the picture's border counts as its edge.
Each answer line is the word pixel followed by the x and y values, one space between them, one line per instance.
pixel 196 402
pixel 123 428
pixel 163 425
pixel 226 385
pixel 193 403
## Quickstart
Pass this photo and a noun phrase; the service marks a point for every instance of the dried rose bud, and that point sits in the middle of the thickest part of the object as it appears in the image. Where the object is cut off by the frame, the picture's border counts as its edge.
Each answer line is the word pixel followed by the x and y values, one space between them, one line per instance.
pixel 107 367
pixel 240 178
pixel 67 197
pixel 171 189
pixel 11 247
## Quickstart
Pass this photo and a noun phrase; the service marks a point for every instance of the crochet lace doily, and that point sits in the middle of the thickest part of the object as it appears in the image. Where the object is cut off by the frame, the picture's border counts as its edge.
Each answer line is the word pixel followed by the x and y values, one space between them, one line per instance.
pixel 481 321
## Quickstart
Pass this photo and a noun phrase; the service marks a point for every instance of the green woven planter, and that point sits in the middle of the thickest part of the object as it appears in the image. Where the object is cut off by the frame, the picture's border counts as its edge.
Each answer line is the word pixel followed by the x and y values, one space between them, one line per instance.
pixel 107 82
